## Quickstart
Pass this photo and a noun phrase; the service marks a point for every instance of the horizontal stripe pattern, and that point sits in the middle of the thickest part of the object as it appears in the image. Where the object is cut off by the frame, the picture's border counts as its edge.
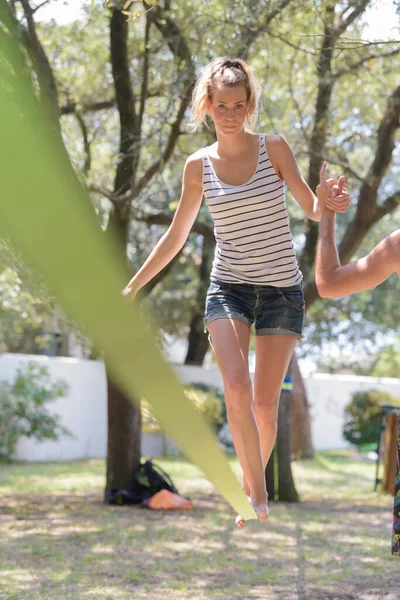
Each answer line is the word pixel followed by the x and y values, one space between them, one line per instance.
pixel 251 226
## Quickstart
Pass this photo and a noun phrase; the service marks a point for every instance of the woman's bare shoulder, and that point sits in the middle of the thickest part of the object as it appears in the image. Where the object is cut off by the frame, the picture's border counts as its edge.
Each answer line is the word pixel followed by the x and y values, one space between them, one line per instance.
pixel 274 138
pixel 196 158
pixel 277 142
pixel 194 166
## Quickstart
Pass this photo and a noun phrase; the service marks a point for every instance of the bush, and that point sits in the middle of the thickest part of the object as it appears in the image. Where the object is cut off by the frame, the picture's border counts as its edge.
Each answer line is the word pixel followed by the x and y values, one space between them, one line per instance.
pixel 206 399
pixel 207 402
pixel 22 408
pixel 362 416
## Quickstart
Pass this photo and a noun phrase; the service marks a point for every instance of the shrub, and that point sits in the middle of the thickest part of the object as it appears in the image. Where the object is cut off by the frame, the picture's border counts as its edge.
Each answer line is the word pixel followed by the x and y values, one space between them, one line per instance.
pixel 206 399
pixel 149 422
pixel 362 416
pixel 207 403
pixel 22 408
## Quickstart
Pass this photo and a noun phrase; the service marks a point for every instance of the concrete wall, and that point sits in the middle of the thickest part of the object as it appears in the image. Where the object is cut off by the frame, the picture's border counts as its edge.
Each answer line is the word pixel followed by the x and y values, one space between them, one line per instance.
pixel 84 410
pixel 329 394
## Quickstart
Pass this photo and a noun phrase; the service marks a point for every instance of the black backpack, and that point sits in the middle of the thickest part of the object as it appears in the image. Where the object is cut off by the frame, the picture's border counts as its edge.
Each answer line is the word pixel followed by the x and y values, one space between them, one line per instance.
pixel 151 478
pixel 122 497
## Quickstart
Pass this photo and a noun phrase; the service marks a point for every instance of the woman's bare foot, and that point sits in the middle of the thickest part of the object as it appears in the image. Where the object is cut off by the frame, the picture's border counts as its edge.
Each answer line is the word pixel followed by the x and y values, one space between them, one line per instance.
pixel 260 508
pixel 239 522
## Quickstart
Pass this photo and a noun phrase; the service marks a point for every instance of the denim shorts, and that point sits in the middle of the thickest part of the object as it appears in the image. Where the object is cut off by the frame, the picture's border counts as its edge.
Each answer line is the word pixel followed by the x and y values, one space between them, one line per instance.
pixel 273 310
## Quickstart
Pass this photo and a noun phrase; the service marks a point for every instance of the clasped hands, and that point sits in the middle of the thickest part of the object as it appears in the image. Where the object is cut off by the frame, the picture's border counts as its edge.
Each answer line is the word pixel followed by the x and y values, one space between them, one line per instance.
pixel 332 194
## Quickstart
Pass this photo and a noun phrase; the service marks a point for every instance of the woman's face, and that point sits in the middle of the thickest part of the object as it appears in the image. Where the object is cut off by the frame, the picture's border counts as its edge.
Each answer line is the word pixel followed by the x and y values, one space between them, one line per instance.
pixel 228 108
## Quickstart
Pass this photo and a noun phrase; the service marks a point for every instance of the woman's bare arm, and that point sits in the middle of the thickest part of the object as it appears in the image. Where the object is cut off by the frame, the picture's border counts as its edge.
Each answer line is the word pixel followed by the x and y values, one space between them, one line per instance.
pixel 287 168
pixel 335 281
pixel 175 237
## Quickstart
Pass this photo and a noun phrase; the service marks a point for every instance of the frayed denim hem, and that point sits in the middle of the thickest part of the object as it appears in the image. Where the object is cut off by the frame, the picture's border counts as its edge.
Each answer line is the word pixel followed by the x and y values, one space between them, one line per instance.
pixel 226 315
pixel 278 331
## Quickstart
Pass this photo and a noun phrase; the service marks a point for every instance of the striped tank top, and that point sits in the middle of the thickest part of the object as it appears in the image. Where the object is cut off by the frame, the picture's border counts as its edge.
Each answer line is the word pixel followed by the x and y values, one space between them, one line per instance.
pixel 251 226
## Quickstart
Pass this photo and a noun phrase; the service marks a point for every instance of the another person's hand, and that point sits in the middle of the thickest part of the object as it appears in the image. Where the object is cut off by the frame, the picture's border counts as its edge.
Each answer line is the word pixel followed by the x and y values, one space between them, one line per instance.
pixel 332 194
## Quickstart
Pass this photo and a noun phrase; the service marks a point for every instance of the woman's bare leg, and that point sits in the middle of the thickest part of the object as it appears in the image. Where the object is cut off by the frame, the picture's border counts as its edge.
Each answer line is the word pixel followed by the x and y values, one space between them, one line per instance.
pixel 273 354
pixel 230 341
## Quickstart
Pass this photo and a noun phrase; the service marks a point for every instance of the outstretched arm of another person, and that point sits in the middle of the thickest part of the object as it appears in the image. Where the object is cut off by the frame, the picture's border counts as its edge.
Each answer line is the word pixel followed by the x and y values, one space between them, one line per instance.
pixel 175 237
pixel 335 281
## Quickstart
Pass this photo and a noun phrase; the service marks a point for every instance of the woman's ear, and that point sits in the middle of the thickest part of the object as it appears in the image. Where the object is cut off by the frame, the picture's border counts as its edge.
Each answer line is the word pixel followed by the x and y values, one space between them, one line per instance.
pixel 208 106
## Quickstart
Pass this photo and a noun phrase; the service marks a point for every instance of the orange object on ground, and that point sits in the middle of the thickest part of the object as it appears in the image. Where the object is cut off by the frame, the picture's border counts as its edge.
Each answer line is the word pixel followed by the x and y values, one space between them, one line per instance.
pixel 166 500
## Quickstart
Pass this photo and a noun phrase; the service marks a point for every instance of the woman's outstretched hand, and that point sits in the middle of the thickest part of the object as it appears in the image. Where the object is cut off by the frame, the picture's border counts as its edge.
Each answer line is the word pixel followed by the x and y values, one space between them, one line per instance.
pixel 129 291
pixel 332 193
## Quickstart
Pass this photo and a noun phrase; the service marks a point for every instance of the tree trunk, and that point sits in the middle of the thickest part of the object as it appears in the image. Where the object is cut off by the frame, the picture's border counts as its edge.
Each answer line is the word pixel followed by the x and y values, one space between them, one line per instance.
pixel 123 443
pixel 124 418
pixel 301 438
pixel 270 476
pixel 286 488
pixel 198 339
pixel 278 472
pixel 198 342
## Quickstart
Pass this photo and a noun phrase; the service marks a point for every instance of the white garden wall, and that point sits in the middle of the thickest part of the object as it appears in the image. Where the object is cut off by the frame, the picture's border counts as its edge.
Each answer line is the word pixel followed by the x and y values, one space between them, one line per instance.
pixel 84 410
pixel 327 395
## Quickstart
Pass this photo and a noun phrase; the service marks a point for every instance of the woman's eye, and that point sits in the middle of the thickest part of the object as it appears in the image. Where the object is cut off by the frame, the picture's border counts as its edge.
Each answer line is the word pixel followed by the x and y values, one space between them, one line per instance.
pixel 221 106
pixel 239 106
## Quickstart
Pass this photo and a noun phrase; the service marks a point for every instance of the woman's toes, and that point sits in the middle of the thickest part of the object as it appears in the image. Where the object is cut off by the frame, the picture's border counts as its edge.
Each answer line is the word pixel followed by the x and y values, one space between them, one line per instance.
pixel 261 510
pixel 239 522
pixel 263 514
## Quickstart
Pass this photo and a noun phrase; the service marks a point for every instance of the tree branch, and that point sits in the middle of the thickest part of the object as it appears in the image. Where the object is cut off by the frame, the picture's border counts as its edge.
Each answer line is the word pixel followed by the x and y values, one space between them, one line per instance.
pixel 354 44
pixel 319 132
pixel 341 161
pixel 70 107
pixel 344 22
pixel 145 74
pixel 111 196
pixel 125 100
pixel 40 6
pixel 86 143
pixel 199 227
pixel 368 213
pixel 183 57
pixel 167 153
pixel 291 44
pixel 48 86
pixel 249 33
pixel 387 207
pixel 297 105
pixel 358 64
pixel 174 38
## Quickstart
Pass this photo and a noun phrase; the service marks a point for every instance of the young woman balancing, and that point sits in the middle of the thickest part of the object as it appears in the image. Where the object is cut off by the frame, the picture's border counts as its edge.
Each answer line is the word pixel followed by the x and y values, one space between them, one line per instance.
pixel 255 276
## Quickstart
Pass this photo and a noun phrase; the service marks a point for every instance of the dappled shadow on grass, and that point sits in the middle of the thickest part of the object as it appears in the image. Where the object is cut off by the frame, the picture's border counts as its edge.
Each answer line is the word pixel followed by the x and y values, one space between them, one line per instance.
pixel 71 546
pixel 332 480
pixel 32 478
pixel 340 469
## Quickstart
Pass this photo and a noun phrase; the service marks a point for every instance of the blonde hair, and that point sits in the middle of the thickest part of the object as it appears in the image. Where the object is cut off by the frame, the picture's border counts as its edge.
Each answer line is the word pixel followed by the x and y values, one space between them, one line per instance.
pixel 231 72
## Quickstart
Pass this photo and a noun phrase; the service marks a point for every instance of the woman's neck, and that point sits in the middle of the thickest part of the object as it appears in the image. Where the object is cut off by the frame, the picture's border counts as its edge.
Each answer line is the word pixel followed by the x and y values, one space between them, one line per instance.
pixel 229 146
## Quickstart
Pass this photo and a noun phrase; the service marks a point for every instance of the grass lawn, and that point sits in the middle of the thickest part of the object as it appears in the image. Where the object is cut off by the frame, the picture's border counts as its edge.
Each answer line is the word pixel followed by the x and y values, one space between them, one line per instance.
pixel 58 541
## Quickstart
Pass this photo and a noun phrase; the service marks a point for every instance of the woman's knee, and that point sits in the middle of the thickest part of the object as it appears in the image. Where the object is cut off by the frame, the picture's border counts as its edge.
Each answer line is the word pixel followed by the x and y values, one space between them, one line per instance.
pixel 238 393
pixel 266 409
